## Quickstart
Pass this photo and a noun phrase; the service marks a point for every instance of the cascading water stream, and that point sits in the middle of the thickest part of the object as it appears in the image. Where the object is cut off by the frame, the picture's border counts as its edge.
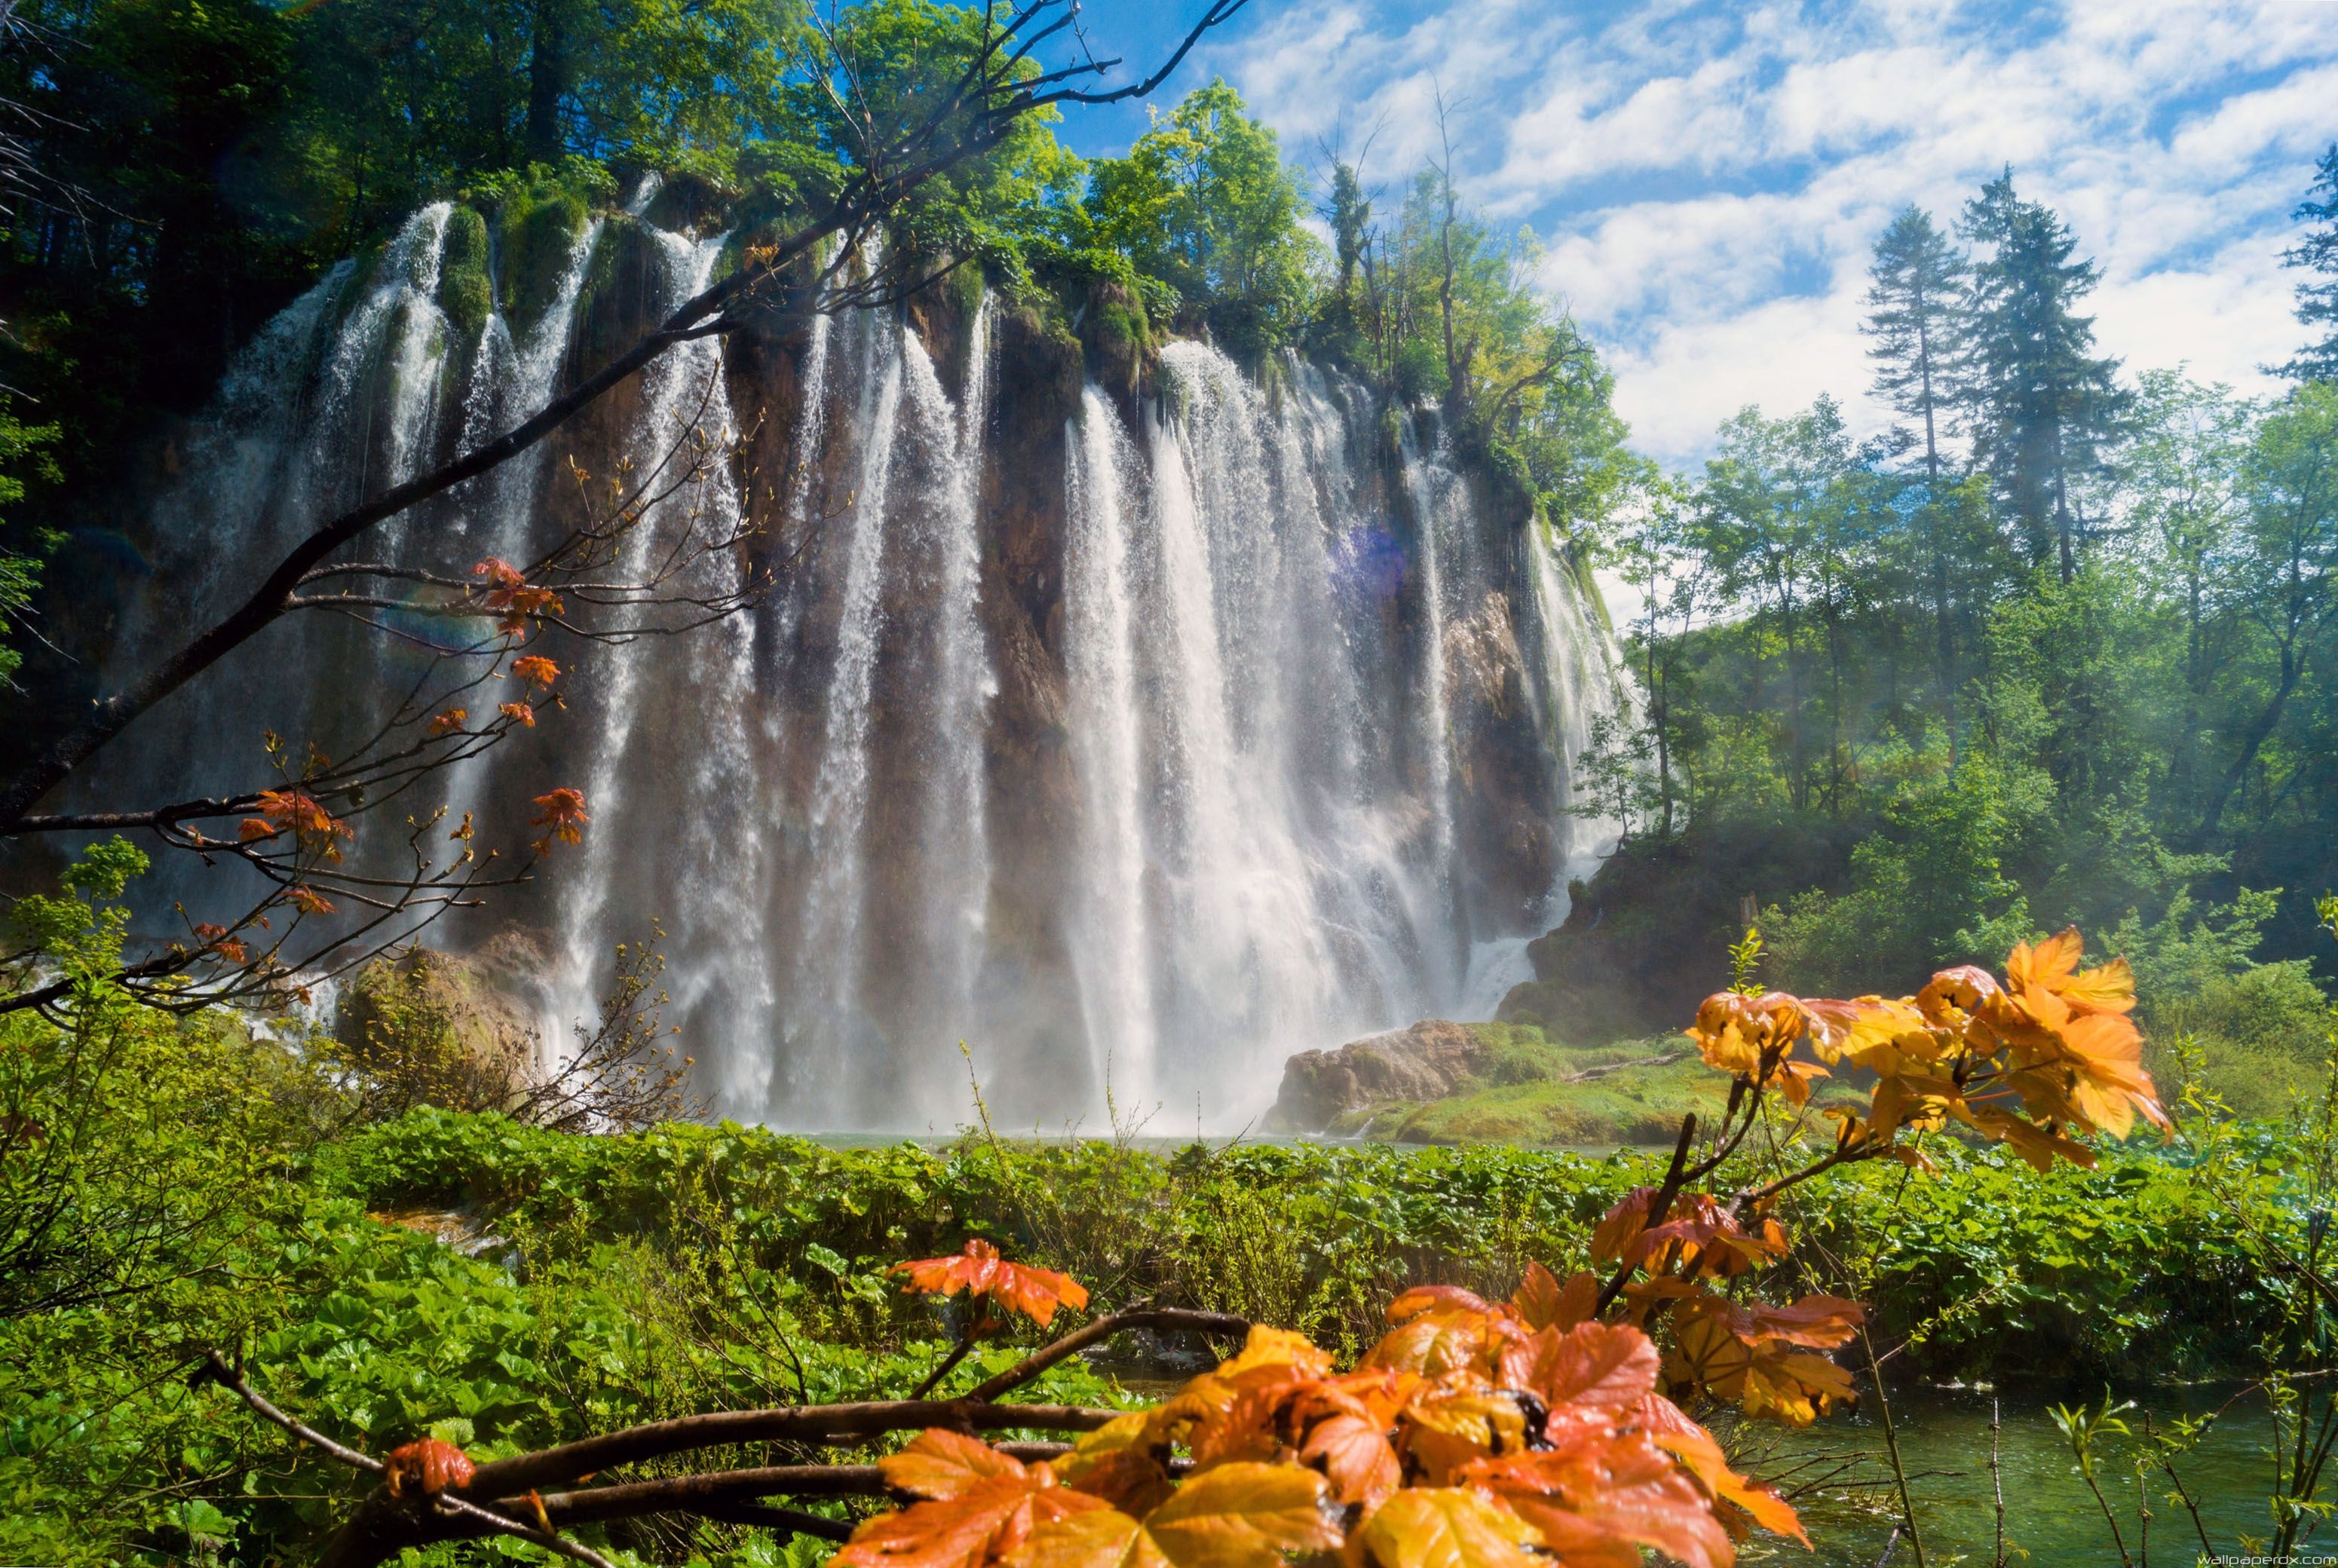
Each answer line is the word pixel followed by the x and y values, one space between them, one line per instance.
pixel 1109 953
pixel 955 830
pixel 679 472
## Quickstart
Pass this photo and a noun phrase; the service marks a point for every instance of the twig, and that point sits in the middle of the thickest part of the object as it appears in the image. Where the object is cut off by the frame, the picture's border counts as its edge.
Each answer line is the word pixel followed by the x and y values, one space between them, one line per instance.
pixel 447 1503
pixel 1892 1445
pixel 974 1327
pixel 1658 1208
pixel 2184 1495
pixel 1997 1481
pixel 215 1369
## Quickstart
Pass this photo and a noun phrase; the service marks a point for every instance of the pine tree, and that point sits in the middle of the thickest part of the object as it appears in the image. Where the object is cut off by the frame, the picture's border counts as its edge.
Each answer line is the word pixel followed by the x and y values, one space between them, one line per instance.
pixel 1915 292
pixel 2039 405
pixel 2317 303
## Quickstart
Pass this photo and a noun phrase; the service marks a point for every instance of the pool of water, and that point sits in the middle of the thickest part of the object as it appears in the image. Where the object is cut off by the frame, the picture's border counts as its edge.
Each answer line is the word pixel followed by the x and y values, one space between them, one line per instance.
pixel 1846 1499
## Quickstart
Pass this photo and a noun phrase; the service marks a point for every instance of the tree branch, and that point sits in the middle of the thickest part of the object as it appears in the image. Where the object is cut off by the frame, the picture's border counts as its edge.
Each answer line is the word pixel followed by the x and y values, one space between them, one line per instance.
pixel 797 1423
pixel 1103 1328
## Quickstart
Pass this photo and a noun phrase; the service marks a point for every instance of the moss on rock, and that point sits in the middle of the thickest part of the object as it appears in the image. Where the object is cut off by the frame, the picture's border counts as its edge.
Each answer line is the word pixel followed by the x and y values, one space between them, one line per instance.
pixel 467 289
pixel 537 230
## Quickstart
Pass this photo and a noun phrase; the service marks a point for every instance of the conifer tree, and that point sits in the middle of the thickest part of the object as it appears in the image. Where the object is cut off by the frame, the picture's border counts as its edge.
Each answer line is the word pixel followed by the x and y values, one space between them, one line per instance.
pixel 2040 404
pixel 2317 303
pixel 1915 291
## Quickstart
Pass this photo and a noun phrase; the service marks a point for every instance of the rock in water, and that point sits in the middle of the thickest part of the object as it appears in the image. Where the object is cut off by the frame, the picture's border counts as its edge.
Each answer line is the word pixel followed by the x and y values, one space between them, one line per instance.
pixel 1430 1061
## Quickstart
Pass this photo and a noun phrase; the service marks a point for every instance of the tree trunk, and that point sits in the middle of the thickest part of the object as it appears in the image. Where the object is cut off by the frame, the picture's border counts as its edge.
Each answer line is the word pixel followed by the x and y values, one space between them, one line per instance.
pixel 547 83
pixel 2291 668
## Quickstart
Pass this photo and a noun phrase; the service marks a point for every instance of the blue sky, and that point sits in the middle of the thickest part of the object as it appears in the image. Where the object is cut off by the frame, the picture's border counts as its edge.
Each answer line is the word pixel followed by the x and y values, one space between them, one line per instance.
pixel 1707 178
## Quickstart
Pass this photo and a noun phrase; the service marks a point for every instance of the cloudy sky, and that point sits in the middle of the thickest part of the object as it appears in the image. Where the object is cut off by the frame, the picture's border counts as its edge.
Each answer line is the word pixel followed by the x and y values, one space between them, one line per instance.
pixel 1708 178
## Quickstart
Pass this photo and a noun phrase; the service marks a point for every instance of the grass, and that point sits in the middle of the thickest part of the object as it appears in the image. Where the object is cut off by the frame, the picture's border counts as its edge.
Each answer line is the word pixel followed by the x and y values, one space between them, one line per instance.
pixel 1542 1092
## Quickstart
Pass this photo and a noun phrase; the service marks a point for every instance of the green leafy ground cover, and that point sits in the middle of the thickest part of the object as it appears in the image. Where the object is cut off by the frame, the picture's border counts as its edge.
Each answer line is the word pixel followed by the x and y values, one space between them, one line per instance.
pixel 594 1281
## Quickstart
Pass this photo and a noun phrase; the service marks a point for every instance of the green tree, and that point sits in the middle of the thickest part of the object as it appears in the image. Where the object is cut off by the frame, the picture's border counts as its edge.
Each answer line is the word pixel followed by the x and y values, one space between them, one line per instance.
pixel 23 449
pixel 2283 575
pixel 1787 516
pixel 2317 253
pixel 2183 471
pixel 1205 203
pixel 1915 292
pixel 2042 408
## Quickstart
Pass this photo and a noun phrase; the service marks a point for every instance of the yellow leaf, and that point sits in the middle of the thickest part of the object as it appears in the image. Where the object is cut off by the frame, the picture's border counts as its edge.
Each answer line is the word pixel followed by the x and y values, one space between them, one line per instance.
pixel 1445 1527
pixel 1106 1538
pixel 1278 1348
pixel 1244 1516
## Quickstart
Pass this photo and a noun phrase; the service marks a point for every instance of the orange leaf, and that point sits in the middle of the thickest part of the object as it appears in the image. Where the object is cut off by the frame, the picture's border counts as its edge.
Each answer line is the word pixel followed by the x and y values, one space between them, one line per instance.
pixel 308 900
pixel 1590 1369
pixel 1433 1344
pixel 1235 1516
pixel 1130 1479
pixel 1694 1447
pixel 1706 1357
pixel 1542 1302
pixel 1820 1322
pixel 1242 1515
pixel 536 670
pixel 1623 1223
pixel 979 1519
pixel 215 939
pixel 979 1271
pixel 1105 1538
pixel 1605 1491
pixel 1423 1299
pixel 561 811
pixel 1266 1346
pixel 446 723
pixel 944 1464
pixel 425 1469
pixel 520 712
pixel 1445 1527
pixel 2050 965
pixel 299 813
pixel 1439 1436
pixel 1355 1456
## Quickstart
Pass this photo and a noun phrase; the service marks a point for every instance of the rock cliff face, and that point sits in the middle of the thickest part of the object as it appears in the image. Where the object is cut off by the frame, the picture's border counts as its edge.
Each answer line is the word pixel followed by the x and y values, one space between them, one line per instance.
pixel 1127 714
pixel 1429 1061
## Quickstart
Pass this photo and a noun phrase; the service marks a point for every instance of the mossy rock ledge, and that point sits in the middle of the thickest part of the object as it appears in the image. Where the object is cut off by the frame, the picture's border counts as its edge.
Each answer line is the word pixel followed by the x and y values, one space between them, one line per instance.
pixel 1501 1083
pixel 1430 1061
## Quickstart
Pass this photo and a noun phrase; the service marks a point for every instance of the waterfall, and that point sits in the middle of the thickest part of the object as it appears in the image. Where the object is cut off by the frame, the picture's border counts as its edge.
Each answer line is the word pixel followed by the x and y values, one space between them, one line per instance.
pixel 1136 738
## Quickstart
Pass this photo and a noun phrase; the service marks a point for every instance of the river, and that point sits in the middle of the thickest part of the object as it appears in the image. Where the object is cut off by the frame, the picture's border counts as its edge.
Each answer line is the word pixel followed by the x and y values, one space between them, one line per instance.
pixel 2051 1517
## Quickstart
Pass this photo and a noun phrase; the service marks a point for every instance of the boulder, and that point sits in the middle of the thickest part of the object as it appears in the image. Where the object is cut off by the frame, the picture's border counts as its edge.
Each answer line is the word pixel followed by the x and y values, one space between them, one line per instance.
pixel 1430 1061
pixel 438 1027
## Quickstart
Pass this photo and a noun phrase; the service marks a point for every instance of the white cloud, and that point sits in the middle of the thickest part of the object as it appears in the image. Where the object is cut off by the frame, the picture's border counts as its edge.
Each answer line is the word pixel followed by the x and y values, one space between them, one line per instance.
pixel 1709 177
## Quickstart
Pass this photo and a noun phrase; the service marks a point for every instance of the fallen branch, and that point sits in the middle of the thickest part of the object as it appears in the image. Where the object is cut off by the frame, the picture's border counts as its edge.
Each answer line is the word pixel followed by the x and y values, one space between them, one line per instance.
pixel 385 1523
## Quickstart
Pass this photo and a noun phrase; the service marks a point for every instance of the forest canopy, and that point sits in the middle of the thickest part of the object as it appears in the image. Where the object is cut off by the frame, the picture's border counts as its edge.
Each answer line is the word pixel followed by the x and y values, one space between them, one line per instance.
pixel 2058 645
pixel 270 142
